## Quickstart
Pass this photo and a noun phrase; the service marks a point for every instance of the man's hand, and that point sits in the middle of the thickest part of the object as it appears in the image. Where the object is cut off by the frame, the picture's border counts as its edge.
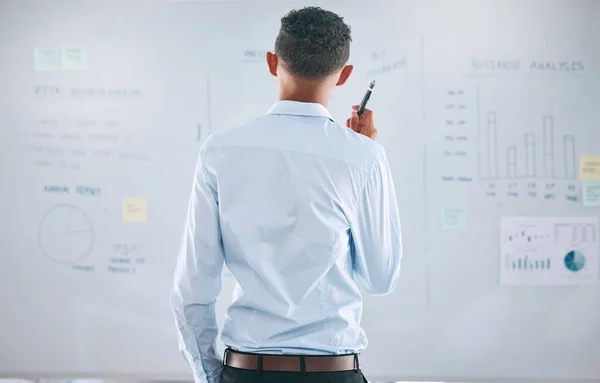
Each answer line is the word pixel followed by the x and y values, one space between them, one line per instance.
pixel 362 124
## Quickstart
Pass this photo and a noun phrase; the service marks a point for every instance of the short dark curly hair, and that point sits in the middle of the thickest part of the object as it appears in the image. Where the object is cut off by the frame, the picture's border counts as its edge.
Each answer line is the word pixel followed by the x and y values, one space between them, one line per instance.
pixel 313 43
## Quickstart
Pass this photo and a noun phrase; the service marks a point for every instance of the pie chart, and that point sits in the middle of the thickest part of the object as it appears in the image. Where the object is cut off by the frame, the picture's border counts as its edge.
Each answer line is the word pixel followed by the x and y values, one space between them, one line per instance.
pixel 574 261
pixel 65 234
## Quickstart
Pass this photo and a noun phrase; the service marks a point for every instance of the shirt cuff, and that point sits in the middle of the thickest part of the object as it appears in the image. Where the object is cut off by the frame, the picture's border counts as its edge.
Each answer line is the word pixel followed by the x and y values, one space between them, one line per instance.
pixel 214 378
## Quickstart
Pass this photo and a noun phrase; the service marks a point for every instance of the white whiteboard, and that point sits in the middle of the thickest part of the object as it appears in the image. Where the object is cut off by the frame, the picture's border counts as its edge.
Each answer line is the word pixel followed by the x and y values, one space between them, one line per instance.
pixel 484 108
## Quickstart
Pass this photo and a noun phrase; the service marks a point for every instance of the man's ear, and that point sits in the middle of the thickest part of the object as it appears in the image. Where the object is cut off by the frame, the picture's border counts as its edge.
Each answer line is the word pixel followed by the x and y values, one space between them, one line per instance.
pixel 346 72
pixel 272 60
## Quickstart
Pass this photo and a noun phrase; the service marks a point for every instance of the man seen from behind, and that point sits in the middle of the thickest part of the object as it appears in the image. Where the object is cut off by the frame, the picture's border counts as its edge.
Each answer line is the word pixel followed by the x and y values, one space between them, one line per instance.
pixel 298 208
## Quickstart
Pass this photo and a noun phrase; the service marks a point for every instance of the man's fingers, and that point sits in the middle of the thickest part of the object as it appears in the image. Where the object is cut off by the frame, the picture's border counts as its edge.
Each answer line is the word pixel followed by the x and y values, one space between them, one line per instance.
pixel 365 120
pixel 367 129
pixel 371 133
pixel 367 113
pixel 355 122
pixel 352 121
pixel 355 125
pixel 362 124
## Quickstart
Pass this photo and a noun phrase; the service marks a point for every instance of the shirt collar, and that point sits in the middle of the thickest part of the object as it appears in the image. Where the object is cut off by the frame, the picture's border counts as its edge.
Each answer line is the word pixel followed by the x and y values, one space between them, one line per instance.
pixel 295 108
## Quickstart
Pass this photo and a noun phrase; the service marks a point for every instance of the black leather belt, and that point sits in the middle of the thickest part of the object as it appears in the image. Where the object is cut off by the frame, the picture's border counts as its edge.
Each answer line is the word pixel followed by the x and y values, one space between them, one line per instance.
pixel 291 363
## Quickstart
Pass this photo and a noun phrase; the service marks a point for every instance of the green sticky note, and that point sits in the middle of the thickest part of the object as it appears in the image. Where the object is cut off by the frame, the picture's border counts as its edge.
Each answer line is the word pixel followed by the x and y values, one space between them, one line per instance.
pixel 590 193
pixel 73 59
pixel 454 217
pixel 46 59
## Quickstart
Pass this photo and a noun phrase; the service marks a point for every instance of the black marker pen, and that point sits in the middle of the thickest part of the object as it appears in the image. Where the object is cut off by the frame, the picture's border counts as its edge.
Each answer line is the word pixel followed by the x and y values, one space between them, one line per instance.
pixel 363 103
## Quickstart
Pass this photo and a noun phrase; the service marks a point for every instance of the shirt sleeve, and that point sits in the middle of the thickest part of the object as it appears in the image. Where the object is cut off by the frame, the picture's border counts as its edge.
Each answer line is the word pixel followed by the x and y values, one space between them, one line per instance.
pixel 375 228
pixel 197 281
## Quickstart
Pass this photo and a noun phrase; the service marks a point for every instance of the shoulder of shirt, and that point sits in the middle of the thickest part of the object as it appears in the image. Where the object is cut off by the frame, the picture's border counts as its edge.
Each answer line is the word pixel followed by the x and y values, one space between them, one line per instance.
pixel 221 139
pixel 363 150
pixel 372 151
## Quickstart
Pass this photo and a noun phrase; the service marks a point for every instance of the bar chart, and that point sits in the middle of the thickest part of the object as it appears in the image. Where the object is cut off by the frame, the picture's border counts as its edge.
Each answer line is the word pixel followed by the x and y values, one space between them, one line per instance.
pixel 545 148
pixel 523 263
pixel 522 159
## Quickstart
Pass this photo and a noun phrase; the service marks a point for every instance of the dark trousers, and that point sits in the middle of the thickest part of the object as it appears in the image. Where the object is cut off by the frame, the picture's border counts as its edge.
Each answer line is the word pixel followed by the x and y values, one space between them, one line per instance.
pixel 236 375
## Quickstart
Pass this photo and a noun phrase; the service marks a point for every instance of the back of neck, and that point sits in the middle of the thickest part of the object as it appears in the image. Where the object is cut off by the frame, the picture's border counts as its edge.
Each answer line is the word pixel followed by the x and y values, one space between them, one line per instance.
pixel 305 92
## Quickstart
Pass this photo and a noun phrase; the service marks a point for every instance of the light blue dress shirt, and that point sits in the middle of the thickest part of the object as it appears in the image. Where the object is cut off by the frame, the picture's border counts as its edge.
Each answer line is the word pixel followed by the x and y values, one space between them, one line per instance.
pixel 297 207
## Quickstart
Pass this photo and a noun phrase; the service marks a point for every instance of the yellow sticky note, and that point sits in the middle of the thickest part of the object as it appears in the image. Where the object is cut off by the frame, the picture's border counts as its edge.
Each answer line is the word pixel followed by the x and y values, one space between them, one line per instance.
pixel 135 210
pixel 589 168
